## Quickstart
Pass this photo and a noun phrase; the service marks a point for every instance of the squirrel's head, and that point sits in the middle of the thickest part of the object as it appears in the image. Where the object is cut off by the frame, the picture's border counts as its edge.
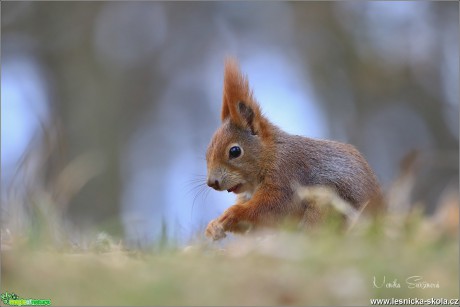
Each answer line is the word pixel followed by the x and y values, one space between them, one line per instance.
pixel 235 153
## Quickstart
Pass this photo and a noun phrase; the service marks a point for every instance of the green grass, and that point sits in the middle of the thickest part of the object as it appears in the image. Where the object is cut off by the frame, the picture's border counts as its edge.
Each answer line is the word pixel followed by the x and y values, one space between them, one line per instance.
pixel 288 268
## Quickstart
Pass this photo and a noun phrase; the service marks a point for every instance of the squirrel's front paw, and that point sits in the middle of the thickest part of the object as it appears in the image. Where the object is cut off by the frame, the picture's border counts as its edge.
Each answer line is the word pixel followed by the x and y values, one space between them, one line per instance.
pixel 215 230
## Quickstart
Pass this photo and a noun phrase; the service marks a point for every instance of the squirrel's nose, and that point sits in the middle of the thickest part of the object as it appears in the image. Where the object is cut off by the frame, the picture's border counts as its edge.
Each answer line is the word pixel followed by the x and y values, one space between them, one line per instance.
pixel 213 184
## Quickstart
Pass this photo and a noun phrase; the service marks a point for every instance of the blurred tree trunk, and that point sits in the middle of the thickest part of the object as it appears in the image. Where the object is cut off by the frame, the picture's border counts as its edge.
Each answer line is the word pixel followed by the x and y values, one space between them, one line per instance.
pixel 94 108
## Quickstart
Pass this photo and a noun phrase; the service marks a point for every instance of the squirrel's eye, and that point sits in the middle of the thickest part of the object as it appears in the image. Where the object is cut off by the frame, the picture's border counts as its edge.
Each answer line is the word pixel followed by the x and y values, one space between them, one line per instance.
pixel 234 152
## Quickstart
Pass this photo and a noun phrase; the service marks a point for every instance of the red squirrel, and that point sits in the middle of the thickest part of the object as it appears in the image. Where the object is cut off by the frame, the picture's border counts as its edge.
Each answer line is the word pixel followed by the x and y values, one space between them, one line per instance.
pixel 263 165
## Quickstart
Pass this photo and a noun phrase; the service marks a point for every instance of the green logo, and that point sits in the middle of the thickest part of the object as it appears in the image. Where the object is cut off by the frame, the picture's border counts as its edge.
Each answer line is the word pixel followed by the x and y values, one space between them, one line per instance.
pixel 12 299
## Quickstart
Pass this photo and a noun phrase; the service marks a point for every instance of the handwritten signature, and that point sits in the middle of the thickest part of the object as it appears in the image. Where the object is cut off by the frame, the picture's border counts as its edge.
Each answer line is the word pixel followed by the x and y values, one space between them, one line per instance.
pixel 411 282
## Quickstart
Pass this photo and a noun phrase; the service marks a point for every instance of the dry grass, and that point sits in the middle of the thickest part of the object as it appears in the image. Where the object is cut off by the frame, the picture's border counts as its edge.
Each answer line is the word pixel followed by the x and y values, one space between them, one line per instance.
pixel 325 267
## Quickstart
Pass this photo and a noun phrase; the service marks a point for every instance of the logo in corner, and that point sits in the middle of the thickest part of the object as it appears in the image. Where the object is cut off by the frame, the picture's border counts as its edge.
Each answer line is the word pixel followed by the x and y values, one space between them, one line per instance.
pixel 12 299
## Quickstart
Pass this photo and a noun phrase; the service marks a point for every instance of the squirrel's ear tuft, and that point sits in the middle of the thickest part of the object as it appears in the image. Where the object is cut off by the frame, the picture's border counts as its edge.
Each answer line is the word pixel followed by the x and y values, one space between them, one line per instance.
pixel 238 103
pixel 236 88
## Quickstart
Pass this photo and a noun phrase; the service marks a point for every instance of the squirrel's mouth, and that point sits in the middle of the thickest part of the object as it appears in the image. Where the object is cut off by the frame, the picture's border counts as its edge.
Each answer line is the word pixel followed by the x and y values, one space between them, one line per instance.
pixel 235 188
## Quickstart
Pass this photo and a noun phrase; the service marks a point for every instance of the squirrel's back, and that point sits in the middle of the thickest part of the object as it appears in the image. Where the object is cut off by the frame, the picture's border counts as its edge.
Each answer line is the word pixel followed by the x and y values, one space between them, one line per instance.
pixel 337 165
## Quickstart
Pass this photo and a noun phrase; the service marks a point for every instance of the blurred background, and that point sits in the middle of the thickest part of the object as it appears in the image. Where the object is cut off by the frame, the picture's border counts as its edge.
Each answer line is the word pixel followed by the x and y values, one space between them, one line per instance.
pixel 107 107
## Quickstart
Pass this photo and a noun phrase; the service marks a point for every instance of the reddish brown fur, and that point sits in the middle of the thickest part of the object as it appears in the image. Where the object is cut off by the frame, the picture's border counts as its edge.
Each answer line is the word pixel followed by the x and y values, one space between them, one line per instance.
pixel 273 163
pixel 236 88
